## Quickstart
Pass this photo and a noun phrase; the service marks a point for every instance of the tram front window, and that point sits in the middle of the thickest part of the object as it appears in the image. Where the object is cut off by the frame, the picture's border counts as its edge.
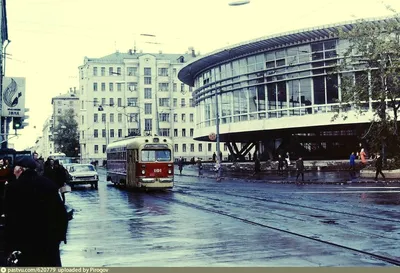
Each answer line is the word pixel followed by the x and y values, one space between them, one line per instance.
pixel 156 155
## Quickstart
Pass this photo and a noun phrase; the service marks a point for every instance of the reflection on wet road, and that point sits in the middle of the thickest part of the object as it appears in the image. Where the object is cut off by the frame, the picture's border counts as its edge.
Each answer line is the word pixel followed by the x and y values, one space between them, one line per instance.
pixel 233 223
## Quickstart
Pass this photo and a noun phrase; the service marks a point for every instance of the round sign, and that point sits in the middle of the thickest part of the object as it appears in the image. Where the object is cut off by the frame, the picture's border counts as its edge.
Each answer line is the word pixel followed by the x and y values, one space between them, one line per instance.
pixel 212 136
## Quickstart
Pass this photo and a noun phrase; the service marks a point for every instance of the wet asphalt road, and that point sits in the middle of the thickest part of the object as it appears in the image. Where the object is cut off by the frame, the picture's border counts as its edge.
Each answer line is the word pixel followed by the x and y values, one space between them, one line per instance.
pixel 233 223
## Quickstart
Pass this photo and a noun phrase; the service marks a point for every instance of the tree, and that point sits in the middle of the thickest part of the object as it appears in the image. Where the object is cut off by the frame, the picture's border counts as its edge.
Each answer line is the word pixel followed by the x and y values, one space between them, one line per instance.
pixel 67 136
pixel 369 72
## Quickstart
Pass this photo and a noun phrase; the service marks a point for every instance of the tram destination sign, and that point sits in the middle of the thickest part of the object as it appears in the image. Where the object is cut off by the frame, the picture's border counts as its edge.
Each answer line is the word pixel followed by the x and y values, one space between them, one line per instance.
pixel 156 146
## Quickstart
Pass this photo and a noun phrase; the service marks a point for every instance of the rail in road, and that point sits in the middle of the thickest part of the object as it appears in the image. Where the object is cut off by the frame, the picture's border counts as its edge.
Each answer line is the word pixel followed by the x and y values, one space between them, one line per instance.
pixel 204 206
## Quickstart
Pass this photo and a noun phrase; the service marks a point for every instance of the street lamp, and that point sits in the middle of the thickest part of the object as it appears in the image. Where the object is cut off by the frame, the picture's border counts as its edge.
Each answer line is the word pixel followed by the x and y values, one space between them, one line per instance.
pixel 100 108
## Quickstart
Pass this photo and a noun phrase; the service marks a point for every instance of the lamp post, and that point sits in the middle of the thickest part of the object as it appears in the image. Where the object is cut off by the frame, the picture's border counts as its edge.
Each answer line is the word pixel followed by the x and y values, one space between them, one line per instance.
pixel 100 108
pixel 219 159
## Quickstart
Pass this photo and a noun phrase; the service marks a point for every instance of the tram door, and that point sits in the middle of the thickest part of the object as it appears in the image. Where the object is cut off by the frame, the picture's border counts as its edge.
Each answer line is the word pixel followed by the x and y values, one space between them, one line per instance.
pixel 131 169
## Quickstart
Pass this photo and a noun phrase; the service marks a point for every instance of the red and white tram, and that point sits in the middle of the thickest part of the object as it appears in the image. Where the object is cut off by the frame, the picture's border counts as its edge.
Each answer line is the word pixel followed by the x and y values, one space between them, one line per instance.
pixel 141 162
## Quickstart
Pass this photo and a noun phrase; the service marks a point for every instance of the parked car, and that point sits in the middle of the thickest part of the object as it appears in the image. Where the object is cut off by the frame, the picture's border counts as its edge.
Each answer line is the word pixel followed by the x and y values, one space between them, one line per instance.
pixel 83 174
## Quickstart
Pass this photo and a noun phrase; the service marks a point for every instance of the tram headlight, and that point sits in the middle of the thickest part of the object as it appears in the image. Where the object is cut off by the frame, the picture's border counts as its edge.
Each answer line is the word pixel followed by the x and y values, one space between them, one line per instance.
pixel 143 171
pixel 169 171
pixel 96 177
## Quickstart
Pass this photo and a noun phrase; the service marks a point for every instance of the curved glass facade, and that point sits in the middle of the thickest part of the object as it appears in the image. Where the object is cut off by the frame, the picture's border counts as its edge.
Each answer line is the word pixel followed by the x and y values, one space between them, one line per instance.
pixel 290 81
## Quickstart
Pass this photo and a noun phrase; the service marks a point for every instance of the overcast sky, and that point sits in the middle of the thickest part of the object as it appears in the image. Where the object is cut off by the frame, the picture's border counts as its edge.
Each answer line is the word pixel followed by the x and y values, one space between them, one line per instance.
pixel 50 38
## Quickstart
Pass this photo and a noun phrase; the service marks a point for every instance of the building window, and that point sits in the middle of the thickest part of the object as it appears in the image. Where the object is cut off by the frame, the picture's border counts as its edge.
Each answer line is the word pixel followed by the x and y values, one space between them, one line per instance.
pixel 96 118
pixel 209 147
pixel 184 148
pixel 163 72
pixel 175 102
pixel 104 148
pixel 132 102
pixel 191 103
pixel 111 101
pixel 119 132
pixel 147 80
pixel 96 133
pixel 132 71
pixel 191 117
pixel 119 117
pixel 175 132
pixel 176 148
pixel 119 86
pixel 103 101
pixel 147 71
pixel 95 86
pixel 132 86
pixel 164 117
pixel 119 102
pixel 163 102
pixel 111 117
pixel 174 87
pixel 182 87
pixel 110 71
pixel 111 86
pixel 103 71
pixel 133 117
pixel 147 93
pixel 147 108
pixel 192 147
pixel 96 149
pixel 183 117
pixel 103 117
pixel 182 102
pixel 59 110
pixel 103 86
pixel 183 132
pixel 164 132
pixel 103 132
pixel 200 147
pixel 95 101
pixel 83 134
pixel 112 133
pixel 191 132
pixel 95 71
pixel 148 124
pixel 118 70
pixel 163 86
pixel 174 72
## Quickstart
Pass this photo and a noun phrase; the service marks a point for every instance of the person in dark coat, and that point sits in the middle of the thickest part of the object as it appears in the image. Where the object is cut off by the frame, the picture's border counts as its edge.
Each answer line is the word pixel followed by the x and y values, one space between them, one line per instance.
pixel 49 169
pixel 60 176
pixel 36 220
pixel 39 163
pixel 378 166
pixel 280 164
pixel 300 169
pixel 180 165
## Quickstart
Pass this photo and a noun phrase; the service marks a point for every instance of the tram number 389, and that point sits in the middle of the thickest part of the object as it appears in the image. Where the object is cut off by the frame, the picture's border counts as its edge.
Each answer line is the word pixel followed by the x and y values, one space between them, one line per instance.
pixel 157 170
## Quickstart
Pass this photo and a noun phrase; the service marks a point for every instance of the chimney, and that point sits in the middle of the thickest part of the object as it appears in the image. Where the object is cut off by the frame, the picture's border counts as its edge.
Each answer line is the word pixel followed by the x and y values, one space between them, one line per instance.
pixel 70 89
pixel 192 52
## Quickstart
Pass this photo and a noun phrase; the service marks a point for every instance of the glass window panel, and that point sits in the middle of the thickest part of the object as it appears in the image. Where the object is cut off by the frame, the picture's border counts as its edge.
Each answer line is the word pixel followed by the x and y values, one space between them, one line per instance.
pixel 332 92
pixel 269 56
pixel 319 90
pixel 330 44
pixel 280 54
pixel 317 47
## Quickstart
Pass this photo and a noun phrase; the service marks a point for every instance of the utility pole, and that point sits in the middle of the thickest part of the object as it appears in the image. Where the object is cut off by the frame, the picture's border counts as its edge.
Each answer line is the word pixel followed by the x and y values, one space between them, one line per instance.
pixel 3 119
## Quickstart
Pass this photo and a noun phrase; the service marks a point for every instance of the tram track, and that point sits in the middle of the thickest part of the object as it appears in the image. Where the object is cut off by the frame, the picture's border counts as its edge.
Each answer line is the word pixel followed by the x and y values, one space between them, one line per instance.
pixel 386 259
pixel 299 206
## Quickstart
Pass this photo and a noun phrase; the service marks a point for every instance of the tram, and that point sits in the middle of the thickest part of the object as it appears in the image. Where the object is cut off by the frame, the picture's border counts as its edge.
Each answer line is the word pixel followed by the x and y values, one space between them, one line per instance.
pixel 144 162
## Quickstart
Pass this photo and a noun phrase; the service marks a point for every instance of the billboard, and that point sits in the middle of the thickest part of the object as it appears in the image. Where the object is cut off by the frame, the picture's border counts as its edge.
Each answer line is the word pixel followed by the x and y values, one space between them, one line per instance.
pixel 13 97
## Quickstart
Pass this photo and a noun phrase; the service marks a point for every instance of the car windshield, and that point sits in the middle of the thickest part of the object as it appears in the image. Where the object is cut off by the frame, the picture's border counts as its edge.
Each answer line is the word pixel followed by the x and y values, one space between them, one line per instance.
pixel 82 168
pixel 156 155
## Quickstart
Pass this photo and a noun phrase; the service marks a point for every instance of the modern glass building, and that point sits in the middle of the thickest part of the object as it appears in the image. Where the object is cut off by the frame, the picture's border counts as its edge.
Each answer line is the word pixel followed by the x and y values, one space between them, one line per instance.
pixel 276 94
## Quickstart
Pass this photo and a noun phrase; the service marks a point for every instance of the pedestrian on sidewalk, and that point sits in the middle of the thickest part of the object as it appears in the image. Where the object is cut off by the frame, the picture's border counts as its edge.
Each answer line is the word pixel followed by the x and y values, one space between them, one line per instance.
pixel 257 165
pixel 180 165
pixel 363 157
pixel 378 166
pixel 280 165
pixel 199 166
pixel 300 169
pixel 352 163
pixel 287 160
pixel 36 220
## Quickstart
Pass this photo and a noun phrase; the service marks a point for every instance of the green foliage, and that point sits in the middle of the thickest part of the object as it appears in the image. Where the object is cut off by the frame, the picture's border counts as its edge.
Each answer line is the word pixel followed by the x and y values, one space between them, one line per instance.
pixel 370 68
pixel 67 136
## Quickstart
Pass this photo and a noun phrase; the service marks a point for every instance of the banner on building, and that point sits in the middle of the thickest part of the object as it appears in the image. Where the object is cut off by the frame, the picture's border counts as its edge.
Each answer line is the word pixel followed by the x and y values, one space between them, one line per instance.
pixel 13 97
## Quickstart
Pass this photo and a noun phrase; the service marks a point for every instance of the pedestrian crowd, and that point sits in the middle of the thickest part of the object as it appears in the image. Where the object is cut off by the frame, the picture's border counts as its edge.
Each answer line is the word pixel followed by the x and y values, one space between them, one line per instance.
pixel 36 219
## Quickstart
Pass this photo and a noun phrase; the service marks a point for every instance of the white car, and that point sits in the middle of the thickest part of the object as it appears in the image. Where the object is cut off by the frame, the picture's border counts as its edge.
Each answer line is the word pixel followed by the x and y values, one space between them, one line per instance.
pixel 83 174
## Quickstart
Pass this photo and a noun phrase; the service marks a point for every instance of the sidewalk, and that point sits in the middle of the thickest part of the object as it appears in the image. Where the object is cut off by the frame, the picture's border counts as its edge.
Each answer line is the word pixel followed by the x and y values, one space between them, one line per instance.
pixel 271 176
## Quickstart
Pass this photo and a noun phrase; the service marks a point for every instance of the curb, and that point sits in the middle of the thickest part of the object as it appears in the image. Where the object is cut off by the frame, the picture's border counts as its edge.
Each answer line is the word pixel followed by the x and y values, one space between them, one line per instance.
pixel 340 182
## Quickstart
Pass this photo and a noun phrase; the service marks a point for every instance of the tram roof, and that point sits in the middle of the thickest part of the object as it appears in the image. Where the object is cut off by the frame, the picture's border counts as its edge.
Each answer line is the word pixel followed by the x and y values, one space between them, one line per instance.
pixel 136 141
pixel 189 72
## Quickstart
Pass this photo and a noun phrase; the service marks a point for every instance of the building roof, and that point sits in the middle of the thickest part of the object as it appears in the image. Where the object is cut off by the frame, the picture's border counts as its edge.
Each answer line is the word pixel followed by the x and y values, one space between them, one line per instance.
pixel 189 72
pixel 68 96
pixel 119 57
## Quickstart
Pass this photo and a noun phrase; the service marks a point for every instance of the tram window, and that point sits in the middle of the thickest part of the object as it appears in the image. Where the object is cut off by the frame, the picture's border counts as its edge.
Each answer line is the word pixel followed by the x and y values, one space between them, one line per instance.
pixel 156 155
